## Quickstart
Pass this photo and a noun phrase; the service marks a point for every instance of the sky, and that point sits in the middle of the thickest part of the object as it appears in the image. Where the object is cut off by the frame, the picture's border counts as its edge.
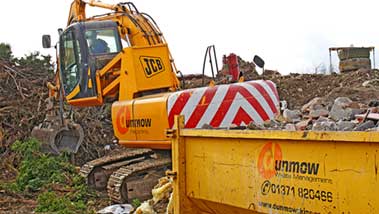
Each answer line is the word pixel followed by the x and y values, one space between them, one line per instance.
pixel 292 36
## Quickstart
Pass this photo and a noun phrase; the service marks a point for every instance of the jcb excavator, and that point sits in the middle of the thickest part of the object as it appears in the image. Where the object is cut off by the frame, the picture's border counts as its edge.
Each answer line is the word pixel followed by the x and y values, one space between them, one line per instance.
pixel 123 58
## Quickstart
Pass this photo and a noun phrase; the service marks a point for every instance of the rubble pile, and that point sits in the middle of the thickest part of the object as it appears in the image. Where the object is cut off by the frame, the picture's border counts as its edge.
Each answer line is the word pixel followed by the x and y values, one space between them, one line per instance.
pixel 343 115
pixel 194 80
pixel 23 95
pixel 298 89
pixel 332 102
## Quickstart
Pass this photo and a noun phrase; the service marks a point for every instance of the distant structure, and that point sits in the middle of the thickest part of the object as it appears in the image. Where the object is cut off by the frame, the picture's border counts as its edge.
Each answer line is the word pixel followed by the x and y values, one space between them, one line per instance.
pixel 353 58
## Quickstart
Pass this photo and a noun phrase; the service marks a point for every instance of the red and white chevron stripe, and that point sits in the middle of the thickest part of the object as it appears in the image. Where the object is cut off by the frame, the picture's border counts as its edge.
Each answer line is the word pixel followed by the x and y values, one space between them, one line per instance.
pixel 223 105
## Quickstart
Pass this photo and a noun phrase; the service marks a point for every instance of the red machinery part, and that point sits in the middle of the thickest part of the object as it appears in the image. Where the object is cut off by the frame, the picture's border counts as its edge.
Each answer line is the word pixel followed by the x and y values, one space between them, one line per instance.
pixel 234 70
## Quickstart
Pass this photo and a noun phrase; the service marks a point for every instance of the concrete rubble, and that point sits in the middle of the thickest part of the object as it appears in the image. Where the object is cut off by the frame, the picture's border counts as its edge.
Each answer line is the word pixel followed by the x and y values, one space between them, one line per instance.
pixel 319 115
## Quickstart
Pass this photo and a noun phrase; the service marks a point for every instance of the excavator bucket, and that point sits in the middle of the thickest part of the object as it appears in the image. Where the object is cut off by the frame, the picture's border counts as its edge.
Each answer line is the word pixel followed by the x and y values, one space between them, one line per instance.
pixel 57 138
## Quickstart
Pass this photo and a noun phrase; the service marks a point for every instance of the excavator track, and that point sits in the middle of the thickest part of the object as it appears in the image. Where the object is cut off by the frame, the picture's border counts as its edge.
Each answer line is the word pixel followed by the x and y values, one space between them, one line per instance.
pixel 98 171
pixel 136 180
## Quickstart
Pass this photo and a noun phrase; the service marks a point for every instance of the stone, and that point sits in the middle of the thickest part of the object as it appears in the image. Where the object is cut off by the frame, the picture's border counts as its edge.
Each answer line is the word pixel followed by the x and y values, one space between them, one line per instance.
pixel 290 127
pixel 292 116
pixel 355 112
pixel 318 113
pixel 273 124
pixel 315 103
pixel 233 126
pixel 254 126
pixel 373 103
pixel 322 118
pixel 302 125
pixel 206 126
pixel 342 101
pixel 371 83
pixel 345 125
pixel 327 125
pixel 339 113
pixel 374 109
pixel 340 110
pixel 354 105
pixel 365 126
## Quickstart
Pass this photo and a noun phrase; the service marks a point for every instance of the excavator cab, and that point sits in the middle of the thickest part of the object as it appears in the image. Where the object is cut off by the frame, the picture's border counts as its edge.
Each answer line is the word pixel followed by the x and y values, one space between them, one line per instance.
pixel 84 48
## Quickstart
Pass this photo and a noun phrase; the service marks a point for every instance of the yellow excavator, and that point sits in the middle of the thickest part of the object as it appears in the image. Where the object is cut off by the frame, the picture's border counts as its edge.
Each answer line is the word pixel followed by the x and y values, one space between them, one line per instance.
pixel 121 57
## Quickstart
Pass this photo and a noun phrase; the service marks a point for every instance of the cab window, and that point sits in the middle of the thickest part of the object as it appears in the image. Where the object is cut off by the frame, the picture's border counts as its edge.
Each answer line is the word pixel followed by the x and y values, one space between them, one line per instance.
pixel 70 61
pixel 102 41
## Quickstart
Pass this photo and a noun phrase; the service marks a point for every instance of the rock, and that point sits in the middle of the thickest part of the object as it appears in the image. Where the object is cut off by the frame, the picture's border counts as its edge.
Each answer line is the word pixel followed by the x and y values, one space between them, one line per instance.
pixel 321 119
pixel 345 125
pixel 300 90
pixel 302 125
pixel 318 113
pixel 290 127
pixel 315 103
pixel 373 103
pixel 254 126
pixel 233 126
pixel 355 112
pixel 342 101
pixel 374 109
pixel 371 83
pixel 339 109
pixel 354 105
pixel 292 116
pixel 338 113
pixel 206 126
pixel 327 125
pixel 364 126
pixel 272 124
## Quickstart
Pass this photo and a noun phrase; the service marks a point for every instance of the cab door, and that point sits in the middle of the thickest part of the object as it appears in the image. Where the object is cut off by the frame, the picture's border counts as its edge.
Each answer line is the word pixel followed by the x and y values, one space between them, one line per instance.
pixel 78 64
pixel 77 82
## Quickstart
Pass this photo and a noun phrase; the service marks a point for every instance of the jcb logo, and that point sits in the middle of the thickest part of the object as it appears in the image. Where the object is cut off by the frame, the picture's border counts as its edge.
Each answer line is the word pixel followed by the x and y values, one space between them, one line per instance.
pixel 151 65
